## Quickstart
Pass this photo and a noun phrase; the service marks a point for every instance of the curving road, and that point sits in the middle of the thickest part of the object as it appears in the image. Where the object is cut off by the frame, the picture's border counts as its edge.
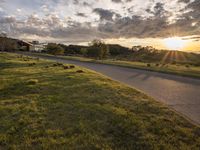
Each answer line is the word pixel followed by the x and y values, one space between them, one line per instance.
pixel 179 93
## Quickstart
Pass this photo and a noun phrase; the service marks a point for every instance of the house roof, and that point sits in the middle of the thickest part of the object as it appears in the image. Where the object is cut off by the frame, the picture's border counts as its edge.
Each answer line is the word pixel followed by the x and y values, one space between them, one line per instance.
pixel 25 43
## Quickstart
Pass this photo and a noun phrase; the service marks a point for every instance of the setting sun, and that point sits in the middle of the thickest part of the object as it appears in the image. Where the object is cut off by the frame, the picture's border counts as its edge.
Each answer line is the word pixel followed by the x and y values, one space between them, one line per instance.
pixel 175 43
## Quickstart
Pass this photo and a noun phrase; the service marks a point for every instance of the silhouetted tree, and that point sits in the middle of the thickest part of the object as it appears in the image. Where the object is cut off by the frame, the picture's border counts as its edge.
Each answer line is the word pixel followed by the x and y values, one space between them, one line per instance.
pixel 53 48
pixel 73 49
pixel 98 49
pixel 116 49
pixel 83 51
pixel 7 44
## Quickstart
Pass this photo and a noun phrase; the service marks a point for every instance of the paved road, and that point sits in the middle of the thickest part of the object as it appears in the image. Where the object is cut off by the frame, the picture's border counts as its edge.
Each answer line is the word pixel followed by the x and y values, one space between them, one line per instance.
pixel 179 93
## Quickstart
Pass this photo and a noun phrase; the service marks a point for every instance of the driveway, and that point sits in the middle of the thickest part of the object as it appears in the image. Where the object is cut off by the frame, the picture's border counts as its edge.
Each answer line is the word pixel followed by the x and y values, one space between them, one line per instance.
pixel 180 93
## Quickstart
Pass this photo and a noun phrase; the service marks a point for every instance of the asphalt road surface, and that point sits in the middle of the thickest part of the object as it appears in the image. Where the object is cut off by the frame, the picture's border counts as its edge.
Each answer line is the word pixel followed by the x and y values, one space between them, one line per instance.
pixel 180 93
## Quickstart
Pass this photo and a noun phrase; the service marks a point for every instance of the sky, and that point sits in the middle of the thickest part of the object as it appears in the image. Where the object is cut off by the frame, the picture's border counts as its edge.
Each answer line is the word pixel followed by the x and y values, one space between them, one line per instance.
pixel 125 22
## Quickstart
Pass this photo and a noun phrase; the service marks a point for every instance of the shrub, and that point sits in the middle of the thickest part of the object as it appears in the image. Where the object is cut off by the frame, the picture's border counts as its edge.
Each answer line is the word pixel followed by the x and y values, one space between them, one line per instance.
pixel 157 65
pixel 83 51
pixel 59 64
pixel 187 66
pixel 32 64
pixel 32 81
pixel 25 59
pixel 163 65
pixel 79 71
pixel 71 66
pixel 54 49
pixel 66 67
pixel 148 65
pixel 55 65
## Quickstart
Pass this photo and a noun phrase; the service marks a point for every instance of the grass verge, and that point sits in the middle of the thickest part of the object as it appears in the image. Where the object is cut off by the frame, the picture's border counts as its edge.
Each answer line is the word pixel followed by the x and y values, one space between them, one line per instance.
pixel 46 105
pixel 177 69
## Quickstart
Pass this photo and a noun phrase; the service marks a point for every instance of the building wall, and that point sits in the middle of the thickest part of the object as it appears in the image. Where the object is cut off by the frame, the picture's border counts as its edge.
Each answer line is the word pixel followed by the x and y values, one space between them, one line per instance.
pixel 36 48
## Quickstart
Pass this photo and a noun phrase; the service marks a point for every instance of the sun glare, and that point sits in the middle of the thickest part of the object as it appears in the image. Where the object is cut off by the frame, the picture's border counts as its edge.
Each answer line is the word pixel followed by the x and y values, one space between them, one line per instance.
pixel 175 43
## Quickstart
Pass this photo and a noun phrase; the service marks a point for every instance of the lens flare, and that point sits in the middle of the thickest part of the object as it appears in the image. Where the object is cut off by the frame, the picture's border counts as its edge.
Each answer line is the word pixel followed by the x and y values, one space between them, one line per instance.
pixel 175 43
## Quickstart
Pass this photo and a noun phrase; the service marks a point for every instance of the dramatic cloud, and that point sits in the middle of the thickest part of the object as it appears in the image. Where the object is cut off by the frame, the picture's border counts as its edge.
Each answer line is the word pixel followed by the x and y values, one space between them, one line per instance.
pixel 7 20
pixel 82 21
pixel 117 1
pixel 81 14
pixel 105 14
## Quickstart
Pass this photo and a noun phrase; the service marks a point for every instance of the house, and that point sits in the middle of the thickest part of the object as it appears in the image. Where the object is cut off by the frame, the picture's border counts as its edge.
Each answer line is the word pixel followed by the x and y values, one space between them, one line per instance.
pixel 9 44
pixel 37 47
pixel 23 45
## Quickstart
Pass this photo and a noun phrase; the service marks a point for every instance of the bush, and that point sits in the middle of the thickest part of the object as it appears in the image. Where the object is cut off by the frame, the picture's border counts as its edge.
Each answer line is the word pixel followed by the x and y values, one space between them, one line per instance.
pixel 32 81
pixel 71 66
pixel 163 65
pixel 83 51
pixel 187 66
pixel 54 49
pixel 32 64
pixel 148 65
pixel 25 59
pixel 79 71
pixel 66 67
pixel 57 64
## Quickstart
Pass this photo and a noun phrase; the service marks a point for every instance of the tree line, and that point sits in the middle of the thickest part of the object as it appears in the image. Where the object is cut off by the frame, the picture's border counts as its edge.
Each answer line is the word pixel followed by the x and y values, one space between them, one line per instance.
pixel 96 49
pixel 99 50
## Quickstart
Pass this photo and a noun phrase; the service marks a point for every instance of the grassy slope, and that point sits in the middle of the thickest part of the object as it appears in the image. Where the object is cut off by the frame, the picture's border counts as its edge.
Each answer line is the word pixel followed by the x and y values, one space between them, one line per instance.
pixel 66 109
pixel 178 69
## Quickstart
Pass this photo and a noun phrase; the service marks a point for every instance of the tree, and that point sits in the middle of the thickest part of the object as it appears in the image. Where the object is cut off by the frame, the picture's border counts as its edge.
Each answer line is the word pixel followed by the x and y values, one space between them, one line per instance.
pixel 7 44
pixel 83 51
pixel 54 49
pixel 98 49
pixel 3 35
pixel 116 49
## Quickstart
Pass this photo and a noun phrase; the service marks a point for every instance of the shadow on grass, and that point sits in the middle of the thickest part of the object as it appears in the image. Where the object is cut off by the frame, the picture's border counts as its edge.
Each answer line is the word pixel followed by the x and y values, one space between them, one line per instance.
pixel 18 89
pixel 6 65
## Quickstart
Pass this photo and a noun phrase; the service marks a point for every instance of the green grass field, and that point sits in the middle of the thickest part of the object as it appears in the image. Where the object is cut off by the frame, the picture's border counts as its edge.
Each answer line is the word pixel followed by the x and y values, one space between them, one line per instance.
pixel 44 106
pixel 170 68
pixel 178 69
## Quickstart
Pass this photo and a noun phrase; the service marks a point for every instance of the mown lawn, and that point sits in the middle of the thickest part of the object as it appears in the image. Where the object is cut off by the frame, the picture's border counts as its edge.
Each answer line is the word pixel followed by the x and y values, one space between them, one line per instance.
pixel 44 106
